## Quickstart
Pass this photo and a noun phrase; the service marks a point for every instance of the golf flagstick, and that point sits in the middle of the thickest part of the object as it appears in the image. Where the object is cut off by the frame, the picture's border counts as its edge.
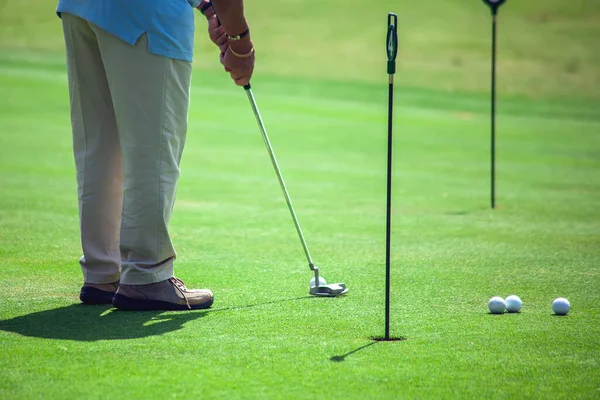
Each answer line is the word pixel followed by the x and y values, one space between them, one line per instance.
pixel 392 50
pixel 494 5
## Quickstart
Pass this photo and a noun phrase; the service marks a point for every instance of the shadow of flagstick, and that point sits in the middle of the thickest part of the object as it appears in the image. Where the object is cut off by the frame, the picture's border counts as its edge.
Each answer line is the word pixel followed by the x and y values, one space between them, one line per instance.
pixel 343 357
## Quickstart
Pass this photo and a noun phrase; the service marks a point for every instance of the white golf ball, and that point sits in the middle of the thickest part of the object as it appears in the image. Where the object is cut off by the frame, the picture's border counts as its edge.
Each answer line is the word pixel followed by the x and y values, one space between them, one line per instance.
pixel 561 306
pixel 513 303
pixel 496 305
pixel 321 281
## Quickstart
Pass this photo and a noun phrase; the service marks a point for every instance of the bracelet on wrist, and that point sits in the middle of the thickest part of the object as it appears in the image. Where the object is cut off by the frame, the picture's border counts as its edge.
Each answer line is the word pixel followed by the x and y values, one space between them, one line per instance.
pixel 242 55
pixel 240 36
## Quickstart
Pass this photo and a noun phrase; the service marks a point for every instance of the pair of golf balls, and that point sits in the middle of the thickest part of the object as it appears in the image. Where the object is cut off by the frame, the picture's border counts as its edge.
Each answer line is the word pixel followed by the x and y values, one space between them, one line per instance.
pixel 513 304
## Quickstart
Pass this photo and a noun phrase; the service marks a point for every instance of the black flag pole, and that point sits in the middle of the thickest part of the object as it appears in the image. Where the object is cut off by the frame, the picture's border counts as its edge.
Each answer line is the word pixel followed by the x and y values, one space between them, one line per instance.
pixel 494 5
pixel 391 50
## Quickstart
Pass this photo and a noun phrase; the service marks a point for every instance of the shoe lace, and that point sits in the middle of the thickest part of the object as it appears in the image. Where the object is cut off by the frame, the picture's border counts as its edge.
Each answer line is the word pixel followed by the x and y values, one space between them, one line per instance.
pixel 179 285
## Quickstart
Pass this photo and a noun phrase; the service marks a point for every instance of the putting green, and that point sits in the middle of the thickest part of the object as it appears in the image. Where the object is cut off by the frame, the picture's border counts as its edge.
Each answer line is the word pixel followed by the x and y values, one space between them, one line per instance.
pixel 326 115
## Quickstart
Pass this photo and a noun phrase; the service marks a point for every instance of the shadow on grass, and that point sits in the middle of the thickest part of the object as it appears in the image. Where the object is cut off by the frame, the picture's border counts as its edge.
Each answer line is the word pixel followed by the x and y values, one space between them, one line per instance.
pixel 86 323
pixel 343 356
pixel 232 308
pixel 90 323
pixel 459 213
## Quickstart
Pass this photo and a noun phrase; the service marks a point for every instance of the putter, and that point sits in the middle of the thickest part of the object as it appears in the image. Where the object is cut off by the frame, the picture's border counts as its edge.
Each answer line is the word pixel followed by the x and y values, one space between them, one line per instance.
pixel 318 285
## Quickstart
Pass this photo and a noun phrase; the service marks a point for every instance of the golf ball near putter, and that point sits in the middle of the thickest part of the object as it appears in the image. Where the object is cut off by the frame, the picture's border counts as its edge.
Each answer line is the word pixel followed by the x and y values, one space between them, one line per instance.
pixel 496 305
pixel 561 306
pixel 513 304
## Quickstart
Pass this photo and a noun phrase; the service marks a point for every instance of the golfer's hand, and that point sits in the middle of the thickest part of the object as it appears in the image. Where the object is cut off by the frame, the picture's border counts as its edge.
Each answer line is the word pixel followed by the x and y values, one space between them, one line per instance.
pixel 238 60
pixel 215 30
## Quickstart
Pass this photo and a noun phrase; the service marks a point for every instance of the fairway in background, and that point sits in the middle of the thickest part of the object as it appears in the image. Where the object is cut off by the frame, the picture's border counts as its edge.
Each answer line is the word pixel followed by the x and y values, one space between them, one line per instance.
pixel 546 48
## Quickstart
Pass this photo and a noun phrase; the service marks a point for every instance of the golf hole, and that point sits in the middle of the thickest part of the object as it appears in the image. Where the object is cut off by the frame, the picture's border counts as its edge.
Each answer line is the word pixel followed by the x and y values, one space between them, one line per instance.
pixel 390 339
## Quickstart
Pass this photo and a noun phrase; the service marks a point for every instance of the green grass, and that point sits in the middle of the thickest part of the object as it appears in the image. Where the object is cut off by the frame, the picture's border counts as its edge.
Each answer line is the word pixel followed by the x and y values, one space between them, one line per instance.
pixel 264 337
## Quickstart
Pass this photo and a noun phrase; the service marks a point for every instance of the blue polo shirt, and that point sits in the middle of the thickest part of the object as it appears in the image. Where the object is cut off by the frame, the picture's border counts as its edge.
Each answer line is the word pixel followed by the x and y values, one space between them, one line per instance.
pixel 168 24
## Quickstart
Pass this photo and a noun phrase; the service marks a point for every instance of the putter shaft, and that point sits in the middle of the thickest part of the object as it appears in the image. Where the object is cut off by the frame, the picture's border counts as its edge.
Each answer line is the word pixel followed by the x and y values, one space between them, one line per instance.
pixel 288 200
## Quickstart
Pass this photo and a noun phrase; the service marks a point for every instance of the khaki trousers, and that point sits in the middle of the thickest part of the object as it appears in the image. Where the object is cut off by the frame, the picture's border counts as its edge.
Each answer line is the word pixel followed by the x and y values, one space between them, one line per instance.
pixel 129 120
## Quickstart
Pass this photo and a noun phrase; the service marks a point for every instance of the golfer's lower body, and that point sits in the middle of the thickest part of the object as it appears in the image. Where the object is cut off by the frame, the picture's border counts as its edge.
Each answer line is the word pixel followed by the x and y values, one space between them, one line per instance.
pixel 129 119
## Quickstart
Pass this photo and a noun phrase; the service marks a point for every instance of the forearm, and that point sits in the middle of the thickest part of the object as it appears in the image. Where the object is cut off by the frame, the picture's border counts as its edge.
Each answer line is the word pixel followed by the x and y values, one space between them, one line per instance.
pixel 231 15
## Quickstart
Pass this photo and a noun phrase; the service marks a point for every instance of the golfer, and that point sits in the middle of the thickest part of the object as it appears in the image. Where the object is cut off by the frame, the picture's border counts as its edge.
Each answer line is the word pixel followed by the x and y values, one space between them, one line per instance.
pixel 129 67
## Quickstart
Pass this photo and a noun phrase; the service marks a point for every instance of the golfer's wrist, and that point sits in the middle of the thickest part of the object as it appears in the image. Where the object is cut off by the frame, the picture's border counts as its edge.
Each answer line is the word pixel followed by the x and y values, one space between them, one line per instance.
pixel 237 32
pixel 235 38
pixel 241 47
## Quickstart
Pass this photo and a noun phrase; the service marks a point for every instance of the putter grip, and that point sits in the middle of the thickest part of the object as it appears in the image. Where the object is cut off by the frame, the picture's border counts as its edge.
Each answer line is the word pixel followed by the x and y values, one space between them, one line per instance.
pixel 391 42
pixel 247 87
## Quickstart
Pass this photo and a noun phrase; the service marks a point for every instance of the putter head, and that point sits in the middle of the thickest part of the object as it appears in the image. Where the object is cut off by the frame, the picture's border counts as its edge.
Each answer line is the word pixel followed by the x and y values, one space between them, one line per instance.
pixel 319 286
pixel 329 290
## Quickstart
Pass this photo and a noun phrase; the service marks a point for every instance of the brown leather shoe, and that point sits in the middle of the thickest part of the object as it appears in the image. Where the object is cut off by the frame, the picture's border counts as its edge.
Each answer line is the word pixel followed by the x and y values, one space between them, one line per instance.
pixel 98 293
pixel 166 295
